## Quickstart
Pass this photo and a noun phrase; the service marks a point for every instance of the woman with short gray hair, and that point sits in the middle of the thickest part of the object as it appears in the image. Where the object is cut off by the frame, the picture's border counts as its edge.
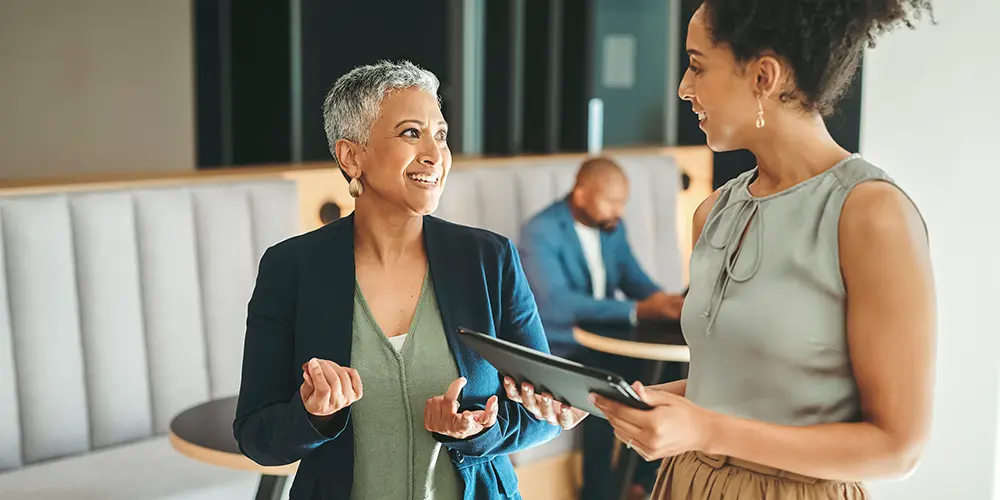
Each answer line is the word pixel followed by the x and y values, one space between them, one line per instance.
pixel 375 298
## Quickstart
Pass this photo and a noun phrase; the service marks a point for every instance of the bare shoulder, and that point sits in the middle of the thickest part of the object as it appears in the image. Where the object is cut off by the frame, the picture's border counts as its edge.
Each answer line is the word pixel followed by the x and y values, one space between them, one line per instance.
pixel 879 211
pixel 701 213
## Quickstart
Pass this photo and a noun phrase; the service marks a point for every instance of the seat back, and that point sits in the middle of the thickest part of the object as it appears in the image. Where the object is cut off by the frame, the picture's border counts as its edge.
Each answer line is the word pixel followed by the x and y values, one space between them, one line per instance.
pixel 503 198
pixel 120 308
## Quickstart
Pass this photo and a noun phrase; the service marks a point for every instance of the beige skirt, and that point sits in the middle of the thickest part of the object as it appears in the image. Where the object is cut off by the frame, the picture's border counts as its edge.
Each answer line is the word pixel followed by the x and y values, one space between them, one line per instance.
pixel 697 476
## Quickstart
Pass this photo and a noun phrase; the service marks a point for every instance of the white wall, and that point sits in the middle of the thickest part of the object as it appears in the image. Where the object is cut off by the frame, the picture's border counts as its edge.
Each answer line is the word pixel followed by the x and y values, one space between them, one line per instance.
pixel 95 86
pixel 931 118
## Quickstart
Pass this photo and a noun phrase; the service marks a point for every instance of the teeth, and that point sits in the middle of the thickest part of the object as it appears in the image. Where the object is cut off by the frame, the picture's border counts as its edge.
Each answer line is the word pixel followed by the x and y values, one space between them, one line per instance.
pixel 429 179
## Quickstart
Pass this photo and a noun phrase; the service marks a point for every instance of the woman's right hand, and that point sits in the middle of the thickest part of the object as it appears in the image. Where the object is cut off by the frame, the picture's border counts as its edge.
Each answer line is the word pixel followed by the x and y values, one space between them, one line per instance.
pixel 328 387
pixel 543 406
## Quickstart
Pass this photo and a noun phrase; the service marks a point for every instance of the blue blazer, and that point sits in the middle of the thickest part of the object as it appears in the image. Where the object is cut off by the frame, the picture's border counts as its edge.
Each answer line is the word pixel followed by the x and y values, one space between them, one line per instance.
pixel 560 278
pixel 302 307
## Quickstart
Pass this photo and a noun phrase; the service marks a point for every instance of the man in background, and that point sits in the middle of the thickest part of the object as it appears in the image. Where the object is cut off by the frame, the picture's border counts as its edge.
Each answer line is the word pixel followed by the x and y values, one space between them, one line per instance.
pixel 576 257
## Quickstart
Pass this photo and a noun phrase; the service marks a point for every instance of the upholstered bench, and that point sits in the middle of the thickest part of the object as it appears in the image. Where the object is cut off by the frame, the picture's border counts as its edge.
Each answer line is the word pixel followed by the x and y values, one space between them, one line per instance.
pixel 119 309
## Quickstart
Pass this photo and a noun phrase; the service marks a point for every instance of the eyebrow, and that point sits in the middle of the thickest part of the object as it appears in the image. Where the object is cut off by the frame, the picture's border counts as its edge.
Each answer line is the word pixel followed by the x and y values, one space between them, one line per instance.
pixel 695 52
pixel 419 122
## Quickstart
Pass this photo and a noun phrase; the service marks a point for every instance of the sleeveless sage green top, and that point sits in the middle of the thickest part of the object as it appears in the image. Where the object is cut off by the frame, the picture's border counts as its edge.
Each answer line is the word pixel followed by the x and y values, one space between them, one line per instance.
pixel 394 456
pixel 765 319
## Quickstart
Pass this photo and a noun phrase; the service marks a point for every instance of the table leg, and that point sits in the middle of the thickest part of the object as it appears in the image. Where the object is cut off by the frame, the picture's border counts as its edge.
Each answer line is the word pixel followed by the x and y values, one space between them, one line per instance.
pixel 270 487
pixel 628 459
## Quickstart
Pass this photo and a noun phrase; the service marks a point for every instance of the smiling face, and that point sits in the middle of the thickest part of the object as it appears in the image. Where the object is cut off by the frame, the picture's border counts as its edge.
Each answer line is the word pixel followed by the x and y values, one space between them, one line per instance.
pixel 407 160
pixel 721 91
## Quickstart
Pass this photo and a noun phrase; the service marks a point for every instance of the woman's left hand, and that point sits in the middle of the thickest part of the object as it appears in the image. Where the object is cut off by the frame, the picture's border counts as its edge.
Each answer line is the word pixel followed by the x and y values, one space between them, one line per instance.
pixel 675 425
pixel 441 414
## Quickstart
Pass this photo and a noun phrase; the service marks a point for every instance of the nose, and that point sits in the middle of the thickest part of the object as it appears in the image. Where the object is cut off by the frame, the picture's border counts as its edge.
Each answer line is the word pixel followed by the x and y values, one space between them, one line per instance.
pixel 685 90
pixel 430 152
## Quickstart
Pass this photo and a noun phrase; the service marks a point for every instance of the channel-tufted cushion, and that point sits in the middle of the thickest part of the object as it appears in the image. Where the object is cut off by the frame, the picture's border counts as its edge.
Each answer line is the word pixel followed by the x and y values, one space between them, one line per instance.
pixel 120 308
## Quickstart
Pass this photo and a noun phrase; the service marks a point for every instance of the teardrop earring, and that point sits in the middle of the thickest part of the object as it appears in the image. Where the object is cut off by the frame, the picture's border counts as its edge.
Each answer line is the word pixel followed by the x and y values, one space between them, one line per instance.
pixel 760 113
pixel 354 188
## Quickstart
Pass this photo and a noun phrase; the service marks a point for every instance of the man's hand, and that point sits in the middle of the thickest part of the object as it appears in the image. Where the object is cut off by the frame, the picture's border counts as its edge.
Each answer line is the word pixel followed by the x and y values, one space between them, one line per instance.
pixel 660 305
pixel 441 414
pixel 328 387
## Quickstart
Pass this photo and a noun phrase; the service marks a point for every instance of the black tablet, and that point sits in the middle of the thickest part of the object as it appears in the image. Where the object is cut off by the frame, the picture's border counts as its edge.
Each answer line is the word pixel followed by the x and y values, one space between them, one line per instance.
pixel 567 381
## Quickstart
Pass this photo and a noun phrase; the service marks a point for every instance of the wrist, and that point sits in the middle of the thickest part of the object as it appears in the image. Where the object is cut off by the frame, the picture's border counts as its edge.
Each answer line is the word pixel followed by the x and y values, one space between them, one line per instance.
pixel 713 432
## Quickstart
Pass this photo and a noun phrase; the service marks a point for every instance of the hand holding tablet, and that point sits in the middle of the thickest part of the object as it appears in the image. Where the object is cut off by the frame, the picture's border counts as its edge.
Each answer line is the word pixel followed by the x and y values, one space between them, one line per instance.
pixel 543 406
pixel 562 381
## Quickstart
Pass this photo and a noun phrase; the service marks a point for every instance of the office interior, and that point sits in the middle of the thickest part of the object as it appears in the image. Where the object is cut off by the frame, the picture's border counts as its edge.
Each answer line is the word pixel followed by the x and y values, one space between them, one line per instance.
pixel 151 150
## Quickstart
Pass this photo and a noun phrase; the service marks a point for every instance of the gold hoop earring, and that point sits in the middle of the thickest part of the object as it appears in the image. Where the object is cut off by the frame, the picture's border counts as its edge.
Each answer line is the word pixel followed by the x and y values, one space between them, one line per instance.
pixel 354 188
pixel 760 113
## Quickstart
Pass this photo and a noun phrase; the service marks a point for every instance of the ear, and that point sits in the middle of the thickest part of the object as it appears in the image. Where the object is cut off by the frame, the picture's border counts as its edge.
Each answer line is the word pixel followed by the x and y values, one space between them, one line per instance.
pixel 769 75
pixel 577 195
pixel 347 156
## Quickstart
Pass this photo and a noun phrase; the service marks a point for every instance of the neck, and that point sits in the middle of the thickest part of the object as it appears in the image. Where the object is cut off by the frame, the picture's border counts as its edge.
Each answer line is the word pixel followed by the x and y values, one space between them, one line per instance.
pixel 793 148
pixel 385 235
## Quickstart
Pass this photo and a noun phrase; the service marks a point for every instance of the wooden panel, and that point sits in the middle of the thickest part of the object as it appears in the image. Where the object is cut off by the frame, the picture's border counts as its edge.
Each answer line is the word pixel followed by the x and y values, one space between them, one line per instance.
pixel 555 478
pixel 316 187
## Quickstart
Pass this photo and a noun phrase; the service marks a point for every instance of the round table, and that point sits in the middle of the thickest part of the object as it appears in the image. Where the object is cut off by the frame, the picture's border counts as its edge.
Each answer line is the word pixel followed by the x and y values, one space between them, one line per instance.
pixel 658 343
pixel 205 432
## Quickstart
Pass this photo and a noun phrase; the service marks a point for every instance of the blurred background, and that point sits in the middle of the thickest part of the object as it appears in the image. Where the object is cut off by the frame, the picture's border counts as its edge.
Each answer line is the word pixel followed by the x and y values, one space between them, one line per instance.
pixel 150 150
pixel 220 83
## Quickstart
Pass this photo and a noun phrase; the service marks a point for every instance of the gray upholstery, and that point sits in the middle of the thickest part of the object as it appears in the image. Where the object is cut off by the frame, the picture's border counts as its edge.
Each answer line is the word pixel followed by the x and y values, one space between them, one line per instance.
pixel 119 309
pixel 148 469
pixel 502 198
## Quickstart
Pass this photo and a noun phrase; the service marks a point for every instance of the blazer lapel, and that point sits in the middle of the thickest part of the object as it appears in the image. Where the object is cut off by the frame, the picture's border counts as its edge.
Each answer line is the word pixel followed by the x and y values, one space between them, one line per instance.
pixel 332 275
pixel 447 268
pixel 610 269
pixel 577 261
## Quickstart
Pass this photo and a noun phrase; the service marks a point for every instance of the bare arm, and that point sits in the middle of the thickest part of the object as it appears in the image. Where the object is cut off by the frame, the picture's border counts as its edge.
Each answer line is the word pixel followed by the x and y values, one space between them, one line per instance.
pixel 679 387
pixel 891 335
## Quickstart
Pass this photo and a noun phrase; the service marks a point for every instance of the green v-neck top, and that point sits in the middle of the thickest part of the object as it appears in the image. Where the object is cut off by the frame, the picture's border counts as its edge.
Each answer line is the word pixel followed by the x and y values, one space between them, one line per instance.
pixel 394 456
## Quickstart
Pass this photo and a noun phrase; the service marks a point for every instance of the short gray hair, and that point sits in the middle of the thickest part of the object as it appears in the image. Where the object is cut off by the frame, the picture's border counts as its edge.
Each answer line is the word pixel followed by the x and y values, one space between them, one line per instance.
pixel 352 105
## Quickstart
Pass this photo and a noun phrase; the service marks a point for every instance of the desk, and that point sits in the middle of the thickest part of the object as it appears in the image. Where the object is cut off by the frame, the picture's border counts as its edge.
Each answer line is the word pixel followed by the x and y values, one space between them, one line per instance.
pixel 205 432
pixel 655 342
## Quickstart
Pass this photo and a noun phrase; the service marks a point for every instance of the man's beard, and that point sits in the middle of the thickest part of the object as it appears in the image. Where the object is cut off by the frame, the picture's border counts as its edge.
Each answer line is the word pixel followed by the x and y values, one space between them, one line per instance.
pixel 607 225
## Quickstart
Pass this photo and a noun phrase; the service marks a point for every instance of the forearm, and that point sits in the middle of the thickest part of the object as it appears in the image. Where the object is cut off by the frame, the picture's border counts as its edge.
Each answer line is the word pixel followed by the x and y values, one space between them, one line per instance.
pixel 678 387
pixel 839 451
pixel 283 433
pixel 515 430
pixel 586 309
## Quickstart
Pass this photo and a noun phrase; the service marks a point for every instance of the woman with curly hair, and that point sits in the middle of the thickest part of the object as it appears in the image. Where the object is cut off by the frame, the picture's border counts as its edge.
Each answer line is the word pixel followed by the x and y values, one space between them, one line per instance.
pixel 811 310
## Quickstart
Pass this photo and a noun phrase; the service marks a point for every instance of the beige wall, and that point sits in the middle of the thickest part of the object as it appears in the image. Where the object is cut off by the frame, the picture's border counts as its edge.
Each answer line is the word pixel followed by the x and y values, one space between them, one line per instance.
pixel 95 86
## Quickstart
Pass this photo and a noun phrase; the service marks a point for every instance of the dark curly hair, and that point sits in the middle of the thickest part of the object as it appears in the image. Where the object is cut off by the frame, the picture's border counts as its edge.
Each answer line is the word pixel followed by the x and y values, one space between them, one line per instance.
pixel 822 40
